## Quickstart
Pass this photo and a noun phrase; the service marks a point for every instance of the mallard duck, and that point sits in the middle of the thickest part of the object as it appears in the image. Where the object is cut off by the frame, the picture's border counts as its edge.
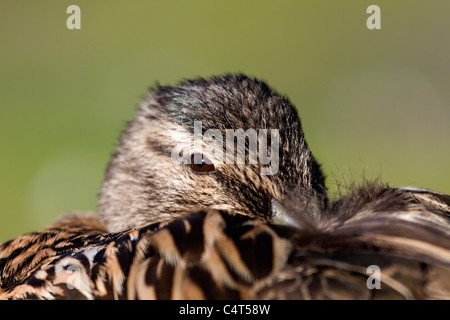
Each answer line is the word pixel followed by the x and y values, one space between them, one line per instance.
pixel 186 211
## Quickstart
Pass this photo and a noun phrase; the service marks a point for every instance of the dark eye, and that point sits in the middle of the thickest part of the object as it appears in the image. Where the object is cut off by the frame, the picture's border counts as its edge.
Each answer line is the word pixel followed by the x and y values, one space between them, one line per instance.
pixel 201 164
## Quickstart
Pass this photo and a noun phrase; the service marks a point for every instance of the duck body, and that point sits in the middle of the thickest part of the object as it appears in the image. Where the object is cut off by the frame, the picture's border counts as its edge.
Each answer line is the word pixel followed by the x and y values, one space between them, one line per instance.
pixel 205 229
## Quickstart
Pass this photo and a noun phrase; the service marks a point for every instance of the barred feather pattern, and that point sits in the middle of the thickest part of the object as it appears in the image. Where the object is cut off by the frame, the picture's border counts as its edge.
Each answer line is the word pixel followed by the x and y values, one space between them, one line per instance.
pixel 214 254
pixel 200 256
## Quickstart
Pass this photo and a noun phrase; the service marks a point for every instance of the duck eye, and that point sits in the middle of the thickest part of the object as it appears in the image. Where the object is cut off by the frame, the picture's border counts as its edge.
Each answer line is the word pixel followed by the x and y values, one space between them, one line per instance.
pixel 201 164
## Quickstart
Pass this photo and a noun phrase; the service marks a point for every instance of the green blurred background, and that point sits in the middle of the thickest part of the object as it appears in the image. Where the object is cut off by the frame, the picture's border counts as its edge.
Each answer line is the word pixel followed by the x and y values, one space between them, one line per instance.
pixel 371 101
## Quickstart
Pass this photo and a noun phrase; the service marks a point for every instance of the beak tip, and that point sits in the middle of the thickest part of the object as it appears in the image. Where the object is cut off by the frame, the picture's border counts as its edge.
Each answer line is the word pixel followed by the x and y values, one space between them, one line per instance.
pixel 280 215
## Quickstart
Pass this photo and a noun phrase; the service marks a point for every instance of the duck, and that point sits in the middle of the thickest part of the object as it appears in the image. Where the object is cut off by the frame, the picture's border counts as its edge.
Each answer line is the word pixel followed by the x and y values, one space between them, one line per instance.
pixel 213 193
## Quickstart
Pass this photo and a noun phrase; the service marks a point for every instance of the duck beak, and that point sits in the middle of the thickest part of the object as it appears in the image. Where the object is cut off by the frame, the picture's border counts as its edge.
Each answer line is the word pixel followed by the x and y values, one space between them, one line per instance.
pixel 280 215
